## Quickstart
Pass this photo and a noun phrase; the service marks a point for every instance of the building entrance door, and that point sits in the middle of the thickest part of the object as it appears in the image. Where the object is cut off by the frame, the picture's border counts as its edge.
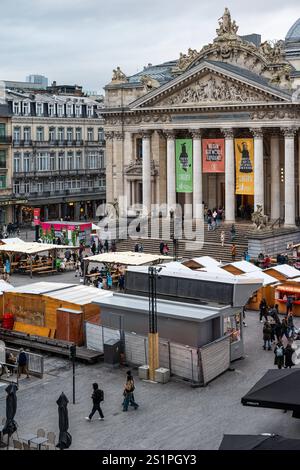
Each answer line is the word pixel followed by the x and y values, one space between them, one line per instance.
pixel 244 206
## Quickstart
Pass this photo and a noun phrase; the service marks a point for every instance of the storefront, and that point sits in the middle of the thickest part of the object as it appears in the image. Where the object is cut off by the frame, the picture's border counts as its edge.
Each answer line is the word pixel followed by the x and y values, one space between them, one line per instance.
pixel 289 290
pixel 72 233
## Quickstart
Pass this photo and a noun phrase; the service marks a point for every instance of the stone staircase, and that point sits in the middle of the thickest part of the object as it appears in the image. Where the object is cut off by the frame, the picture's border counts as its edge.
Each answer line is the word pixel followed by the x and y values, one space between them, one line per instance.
pixel 191 249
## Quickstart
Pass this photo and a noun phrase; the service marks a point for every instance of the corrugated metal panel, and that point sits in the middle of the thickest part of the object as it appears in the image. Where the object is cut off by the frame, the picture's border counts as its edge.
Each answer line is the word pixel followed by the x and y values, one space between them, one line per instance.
pixel 80 295
pixel 136 349
pixel 184 362
pixel 42 287
pixel 215 358
pixel 96 335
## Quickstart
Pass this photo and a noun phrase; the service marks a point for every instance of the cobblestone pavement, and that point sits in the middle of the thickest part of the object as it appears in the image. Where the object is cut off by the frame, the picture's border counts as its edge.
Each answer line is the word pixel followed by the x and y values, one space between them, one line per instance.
pixel 171 416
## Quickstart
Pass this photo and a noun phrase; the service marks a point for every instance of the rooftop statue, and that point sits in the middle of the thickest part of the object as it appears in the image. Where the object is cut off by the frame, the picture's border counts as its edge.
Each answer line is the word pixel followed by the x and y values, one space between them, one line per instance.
pixel 226 25
pixel 118 75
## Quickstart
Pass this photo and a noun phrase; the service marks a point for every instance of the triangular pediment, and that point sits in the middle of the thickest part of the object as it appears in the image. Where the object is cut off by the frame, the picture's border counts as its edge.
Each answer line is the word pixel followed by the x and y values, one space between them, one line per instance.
pixel 212 84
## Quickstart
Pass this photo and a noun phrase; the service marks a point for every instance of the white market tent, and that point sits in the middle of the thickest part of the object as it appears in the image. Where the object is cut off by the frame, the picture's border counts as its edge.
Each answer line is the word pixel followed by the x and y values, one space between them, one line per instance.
pixel 32 248
pixel 127 258
pixel 264 277
pixel 11 241
pixel 286 270
pixel 206 262
pixel 244 266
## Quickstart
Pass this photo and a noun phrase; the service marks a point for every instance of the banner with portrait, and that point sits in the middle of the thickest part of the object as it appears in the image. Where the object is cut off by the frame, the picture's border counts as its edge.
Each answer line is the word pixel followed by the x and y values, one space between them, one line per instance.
pixel 244 166
pixel 184 165
pixel 213 155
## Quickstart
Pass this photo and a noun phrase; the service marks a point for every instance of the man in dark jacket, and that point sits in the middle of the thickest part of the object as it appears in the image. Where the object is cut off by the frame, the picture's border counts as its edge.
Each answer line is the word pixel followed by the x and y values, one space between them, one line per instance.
pixel 263 310
pixel 97 397
pixel 22 364
pixel 267 333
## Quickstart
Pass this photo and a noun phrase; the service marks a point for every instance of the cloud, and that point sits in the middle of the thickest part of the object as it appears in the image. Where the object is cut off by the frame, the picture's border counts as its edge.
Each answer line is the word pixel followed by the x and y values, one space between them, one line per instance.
pixel 81 41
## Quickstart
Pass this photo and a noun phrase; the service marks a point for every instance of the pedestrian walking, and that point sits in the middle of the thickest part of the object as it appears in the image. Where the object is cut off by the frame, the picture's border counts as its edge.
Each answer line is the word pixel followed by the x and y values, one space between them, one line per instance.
pixel 233 252
pixel 219 217
pixel 244 316
pixel 232 233
pixel 284 328
pixel 263 310
pixel 267 333
pixel 288 356
pixel 161 247
pixel 129 388
pixel 97 397
pixel 109 281
pixel 222 238
pixel 22 364
pixel 214 219
pixel 209 222
pixel 93 248
pixel 279 355
pixel 289 304
pixel 290 324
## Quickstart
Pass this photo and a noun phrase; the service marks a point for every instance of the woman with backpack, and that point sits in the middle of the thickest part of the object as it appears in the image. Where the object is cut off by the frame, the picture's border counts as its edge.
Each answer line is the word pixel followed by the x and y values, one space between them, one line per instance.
pixel 279 355
pixel 128 393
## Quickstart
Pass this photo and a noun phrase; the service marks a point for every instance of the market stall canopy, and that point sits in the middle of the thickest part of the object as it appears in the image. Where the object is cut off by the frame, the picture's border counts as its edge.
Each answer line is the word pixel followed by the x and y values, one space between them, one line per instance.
pixel 258 442
pixel 127 258
pixel 202 262
pixel 33 248
pixel 5 286
pixel 42 287
pixel 285 269
pixel 95 227
pixel 11 241
pixel 244 266
pixel 279 389
pixel 264 277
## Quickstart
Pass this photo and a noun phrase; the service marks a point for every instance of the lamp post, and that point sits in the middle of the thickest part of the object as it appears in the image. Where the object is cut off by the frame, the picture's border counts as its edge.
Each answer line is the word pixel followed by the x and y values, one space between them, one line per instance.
pixel 153 348
pixel 172 235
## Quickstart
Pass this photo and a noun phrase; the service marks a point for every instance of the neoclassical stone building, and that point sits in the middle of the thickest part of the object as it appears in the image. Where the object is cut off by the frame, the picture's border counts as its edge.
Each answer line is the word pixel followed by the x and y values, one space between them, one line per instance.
pixel 235 104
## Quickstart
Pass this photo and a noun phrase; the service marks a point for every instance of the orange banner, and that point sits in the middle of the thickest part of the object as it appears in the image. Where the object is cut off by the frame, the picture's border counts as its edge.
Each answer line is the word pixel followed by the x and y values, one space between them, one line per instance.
pixel 213 155
pixel 244 166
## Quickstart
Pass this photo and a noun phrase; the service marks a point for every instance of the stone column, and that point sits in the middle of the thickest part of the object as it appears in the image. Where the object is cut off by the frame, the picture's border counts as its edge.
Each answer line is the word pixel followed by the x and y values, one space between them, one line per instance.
pixel 289 177
pixel 299 174
pixel 171 170
pixel 275 177
pixel 129 155
pixel 109 166
pixel 128 193
pixel 229 176
pixel 197 175
pixel 146 172
pixel 258 168
pixel 118 166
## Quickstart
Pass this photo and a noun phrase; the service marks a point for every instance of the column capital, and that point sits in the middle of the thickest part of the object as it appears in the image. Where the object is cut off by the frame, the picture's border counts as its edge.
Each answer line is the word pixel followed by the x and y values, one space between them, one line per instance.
pixel 228 133
pixel 119 135
pixel 274 133
pixel 257 132
pixel 289 132
pixel 109 135
pixel 196 133
pixel 146 134
pixel 169 134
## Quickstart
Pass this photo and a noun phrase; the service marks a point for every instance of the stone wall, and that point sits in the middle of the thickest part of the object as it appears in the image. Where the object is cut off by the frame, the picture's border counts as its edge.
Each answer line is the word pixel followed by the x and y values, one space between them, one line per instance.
pixel 272 245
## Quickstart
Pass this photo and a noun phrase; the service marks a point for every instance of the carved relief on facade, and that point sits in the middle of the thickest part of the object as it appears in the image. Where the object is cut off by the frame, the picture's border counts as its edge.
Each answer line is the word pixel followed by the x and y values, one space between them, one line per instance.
pixel 214 89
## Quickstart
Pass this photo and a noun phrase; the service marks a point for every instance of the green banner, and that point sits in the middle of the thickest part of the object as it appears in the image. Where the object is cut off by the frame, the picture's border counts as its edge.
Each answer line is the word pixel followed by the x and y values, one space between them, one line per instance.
pixel 184 165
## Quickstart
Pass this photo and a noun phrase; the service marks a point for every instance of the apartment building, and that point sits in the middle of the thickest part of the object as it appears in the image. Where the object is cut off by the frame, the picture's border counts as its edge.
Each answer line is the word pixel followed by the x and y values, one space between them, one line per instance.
pixel 58 153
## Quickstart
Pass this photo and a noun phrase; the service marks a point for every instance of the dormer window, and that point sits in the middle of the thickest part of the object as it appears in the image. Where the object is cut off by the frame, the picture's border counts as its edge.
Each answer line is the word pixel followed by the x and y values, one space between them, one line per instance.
pixel 51 109
pixel 77 110
pixel 69 110
pixel 39 109
pixel 90 111
pixel 60 110
pixel 16 108
pixel 26 108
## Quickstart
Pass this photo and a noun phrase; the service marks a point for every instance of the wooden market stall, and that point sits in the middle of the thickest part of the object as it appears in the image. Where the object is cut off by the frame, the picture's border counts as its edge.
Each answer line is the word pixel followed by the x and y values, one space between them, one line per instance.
pixel 282 272
pixel 267 291
pixel 71 233
pixel 115 261
pixel 289 289
pixel 240 267
pixel 54 310
pixel 21 256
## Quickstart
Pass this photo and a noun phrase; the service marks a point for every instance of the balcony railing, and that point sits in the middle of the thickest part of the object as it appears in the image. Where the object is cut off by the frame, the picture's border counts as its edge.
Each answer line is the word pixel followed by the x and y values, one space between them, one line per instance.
pixel 53 173
pixel 5 139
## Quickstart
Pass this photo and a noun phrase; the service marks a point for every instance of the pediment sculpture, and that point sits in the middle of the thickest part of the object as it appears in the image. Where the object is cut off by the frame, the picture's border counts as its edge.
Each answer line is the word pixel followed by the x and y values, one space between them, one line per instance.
pixel 213 89
pixel 227 27
pixel 119 76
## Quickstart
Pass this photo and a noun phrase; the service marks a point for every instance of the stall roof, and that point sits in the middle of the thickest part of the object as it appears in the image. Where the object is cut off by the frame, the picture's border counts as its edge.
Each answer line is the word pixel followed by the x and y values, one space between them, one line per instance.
pixel 244 266
pixel 267 280
pixel 127 258
pixel 80 295
pixel 217 275
pixel 286 270
pixel 11 241
pixel 5 287
pixel 42 287
pixel 207 261
pixel 31 248
pixel 167 308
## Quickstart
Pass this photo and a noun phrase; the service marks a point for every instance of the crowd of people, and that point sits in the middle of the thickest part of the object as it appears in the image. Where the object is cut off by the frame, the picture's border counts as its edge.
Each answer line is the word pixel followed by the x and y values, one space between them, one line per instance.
pixel 278 332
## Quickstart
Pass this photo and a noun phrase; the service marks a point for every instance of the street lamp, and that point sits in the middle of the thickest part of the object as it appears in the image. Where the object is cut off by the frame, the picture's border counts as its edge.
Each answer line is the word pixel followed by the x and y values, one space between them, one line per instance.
pixel 153 348
pixel 172 235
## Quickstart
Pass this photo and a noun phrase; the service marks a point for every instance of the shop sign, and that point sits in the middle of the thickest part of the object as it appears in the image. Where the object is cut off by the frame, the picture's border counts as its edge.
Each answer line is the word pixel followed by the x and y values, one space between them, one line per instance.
pixel 213 155
pixel 36 215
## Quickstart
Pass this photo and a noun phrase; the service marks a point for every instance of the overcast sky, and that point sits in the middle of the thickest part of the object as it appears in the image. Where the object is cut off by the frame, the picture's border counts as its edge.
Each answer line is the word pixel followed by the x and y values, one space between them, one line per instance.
pixel 81 41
